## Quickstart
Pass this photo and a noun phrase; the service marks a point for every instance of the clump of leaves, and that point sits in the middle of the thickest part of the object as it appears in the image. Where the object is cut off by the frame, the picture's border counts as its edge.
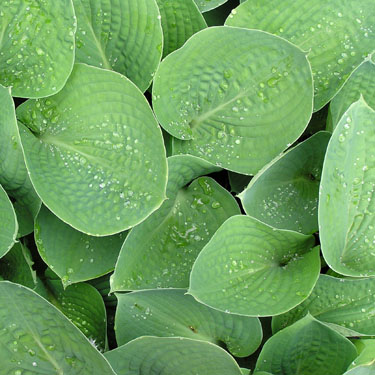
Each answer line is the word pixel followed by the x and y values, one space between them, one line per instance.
pixel 187 187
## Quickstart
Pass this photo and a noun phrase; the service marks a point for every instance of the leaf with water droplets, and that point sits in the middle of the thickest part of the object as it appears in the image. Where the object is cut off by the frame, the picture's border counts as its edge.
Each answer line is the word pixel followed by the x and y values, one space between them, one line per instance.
pixel 338 35
pixel 252 269
pixel 95 152
pixel 284 194
pixel 123 35
pixel 170 312
pixel 38 339
pixel 366 351
pixel 13 173
pixel 346 204
pixel 206 5
pixel 180 19
pixel 171 355
pixel 347 305
pixel 84 257
pixel 160 252
pixel 234 97
pixel 9 224
pixel 36 46
pixel 306 347
pixel 361 82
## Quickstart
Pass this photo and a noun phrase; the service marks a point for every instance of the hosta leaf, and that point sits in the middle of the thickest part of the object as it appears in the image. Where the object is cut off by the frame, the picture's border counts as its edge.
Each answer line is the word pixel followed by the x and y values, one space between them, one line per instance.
pixel 306 347
pixel 368 369
pixel 9 225
pixel 344 303
pixel 338 35
pixel 234 97
pixel 250 268
pixel 168 355
pixel 366 350
pixel 84 306
pixel 285 193
pixel 346 206
pixel 85 257
pixel 238 182
pixel 161 251
pixel 13 173
pixel 180 19
pixel 206 5
pixel 169 312
pixel 123 35
pixel 102 148
pixel 38 339
pixel 16 266
pixel 361 82
pixel 36 46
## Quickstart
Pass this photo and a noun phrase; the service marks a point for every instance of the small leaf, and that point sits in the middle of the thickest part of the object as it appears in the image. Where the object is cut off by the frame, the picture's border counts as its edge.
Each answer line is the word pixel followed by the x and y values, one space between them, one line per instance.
pixel 368 369
pixel 366 350
pixel 206 5
pixel 250 268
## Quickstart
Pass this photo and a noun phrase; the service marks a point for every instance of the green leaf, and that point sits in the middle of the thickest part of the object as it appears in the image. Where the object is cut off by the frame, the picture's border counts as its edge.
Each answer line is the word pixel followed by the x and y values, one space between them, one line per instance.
pixel 123 35
pixel 9 225
pixel 234 97
pixel 160 252
pixel 171 355
pixel 84 257
pixel 84 306
pixel 338 35
pixel 102 148
pixel 366 350
pixel 250 268
pixel 368 369
pixel 238 182
pixel 346 304
pixel 284 194
pixel 346 206
pixel 36 46
pixel 206 5
pixel 306 347
pixel 180 19
pixel 38 339
pixel 361 82
pixel 169 312
pixel 13 173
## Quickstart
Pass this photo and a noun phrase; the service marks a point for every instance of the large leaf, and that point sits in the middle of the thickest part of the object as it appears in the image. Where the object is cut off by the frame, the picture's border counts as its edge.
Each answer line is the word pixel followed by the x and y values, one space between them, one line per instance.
pixel 36 46
pixel 206 5
pixel 13 173
pixel 285 193
pixel 180 19
pixel 234 97
pixel 168 355
pixel 361 82
pixel 123 35
pixel 72 255
pixel 169 312
pixel 95 152
pixel 250 268
pixel 306 347
pixel 346 204
pixel 348 304
pixel 337 33
pixel 36 338
pixel 161 251
pixel 9 225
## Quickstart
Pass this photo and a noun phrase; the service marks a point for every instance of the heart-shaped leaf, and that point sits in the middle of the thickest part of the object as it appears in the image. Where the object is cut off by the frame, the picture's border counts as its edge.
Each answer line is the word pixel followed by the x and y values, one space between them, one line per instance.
pixel 167 355
pixel 285 193
pixel 346 204
pixel 170 312
pixel 160 252
pixel 36 46
pixel 95 152
pixel 250 268
pixel 39 339
pixel 123 35
pixel 306 347
pixel 348 304
pixel 338 35
pixel 234 97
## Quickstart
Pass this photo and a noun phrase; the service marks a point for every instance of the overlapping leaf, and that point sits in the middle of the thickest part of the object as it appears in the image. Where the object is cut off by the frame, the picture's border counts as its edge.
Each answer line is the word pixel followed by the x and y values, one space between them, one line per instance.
pixel 94 152
pixel 206 5
pixel 338 35
pixel 250 268
pixel 234 97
